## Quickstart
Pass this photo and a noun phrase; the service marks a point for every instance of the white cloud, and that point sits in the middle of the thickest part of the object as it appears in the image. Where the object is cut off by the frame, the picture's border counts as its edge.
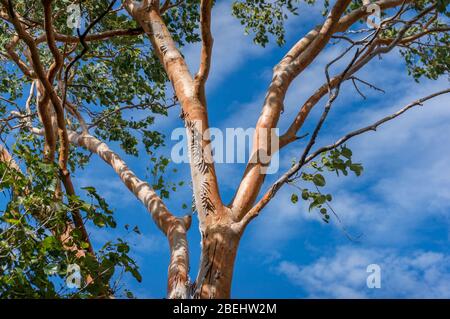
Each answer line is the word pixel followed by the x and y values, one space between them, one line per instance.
pixel 406 179
pixel 421 274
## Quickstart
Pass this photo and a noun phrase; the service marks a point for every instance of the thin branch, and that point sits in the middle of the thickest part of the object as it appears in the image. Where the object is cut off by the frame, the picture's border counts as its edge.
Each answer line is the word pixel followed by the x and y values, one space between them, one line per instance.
pixel 372 49
pixel 105 35
pixel 8 101
pixel 207 43
pixel 41 75
pixel 374 126
pixel 122 108
pixel 294 169
pixel 169 5
pixel 15 57
pixel 355 79
pixel 302 54
pixel 332 98
pixel 82 38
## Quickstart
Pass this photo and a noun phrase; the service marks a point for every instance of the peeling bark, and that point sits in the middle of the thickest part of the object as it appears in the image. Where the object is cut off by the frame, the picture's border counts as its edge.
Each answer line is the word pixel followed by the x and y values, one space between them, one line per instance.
pixel 178 285
pixel 174 228
pixel 221 226
pixel 219 249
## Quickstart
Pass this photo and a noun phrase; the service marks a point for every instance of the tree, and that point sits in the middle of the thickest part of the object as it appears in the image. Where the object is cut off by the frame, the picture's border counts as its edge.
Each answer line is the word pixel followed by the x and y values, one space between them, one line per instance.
pixel 128 60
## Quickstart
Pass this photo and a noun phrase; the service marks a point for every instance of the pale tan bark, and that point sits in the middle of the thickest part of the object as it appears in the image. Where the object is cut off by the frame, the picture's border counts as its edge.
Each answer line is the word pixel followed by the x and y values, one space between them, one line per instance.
pixel 290 67
pixel 178 283
pixel 219 248
pixel 206 191
pixel 6 158
pixel 174 228
pixel 221 227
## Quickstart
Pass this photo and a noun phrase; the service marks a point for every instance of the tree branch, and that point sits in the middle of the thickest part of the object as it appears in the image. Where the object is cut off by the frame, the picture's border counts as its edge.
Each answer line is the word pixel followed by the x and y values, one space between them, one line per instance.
pixel 371 52
pixel 283 75
pixel 294 169
pixel 13 55
pixel 105 35
pixel 207 43
pixel 374 126
pixel 174 228
pixel 206 191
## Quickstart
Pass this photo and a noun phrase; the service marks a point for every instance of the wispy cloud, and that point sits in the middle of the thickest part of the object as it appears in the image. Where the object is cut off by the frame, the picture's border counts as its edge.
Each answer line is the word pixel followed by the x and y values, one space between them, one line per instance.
pixel 406 178
pixel 421 274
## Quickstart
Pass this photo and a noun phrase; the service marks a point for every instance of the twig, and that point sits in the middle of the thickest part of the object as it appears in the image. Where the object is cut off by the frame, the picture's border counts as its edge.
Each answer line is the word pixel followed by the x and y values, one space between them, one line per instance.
pixel 354 79
pixel 295 168
pixel 85 47
pixel 374 126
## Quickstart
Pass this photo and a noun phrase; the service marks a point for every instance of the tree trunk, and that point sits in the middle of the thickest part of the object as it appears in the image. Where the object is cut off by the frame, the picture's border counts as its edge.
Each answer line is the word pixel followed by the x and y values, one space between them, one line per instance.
pixel 219 248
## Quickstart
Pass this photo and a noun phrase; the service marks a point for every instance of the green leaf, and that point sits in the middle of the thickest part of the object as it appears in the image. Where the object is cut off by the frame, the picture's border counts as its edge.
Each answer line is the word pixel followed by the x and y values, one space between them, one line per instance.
pixel 305 194
pixel 346 152
pixel 51 269
pixel 319 180
pixel 357 169
pixel 135 273
pixel 294 198
pixel 123 248
pixel 49 243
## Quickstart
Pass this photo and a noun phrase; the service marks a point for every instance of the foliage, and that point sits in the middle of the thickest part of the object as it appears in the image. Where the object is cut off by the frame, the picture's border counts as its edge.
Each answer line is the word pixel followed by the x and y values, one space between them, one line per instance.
pixel 338 160
pixel 120 87
pixel 265 18
pixel 428 60
pixel 33 259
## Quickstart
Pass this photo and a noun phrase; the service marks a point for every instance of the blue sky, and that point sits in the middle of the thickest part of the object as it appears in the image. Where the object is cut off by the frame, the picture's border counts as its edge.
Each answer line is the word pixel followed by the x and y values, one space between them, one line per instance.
pixel 400 204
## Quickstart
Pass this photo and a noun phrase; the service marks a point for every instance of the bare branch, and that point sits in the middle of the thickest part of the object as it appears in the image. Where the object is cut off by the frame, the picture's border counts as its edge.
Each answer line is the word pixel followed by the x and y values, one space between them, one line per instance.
pixel 373 49
pixel 295 168
pixel 207 43
pixel 297 59
pixel 355 79
pixel 374 126
pixel 105 35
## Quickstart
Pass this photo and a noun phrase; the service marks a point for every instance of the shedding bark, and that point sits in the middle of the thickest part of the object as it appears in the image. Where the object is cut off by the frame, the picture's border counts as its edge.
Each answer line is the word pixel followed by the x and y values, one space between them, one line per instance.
pixel 174 228
pixel 221 226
